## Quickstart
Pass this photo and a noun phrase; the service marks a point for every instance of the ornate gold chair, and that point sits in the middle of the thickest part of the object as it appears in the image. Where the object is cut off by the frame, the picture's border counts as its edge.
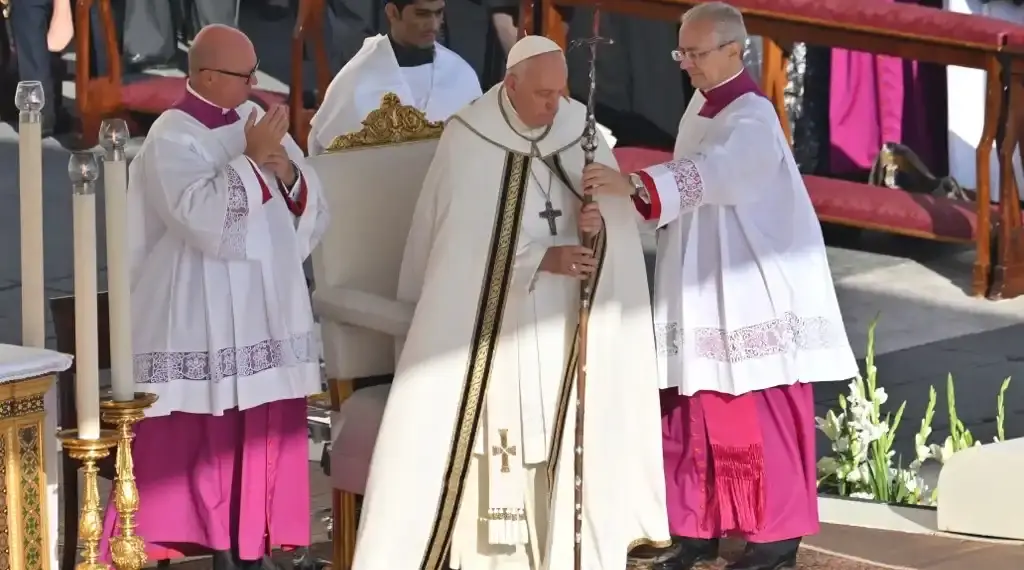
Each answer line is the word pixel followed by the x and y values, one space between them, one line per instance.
pixel 372 179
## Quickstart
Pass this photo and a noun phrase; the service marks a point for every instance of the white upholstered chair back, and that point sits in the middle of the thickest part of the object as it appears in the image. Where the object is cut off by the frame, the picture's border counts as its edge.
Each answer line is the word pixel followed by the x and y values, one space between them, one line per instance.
pixel 371 180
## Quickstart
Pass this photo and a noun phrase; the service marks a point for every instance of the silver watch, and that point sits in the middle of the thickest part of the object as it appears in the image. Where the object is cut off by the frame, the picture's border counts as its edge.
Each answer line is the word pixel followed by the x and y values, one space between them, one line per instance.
pixel 639 188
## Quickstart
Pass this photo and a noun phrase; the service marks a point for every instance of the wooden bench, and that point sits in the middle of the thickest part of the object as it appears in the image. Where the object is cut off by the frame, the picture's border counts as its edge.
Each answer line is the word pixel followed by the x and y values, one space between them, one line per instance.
pixel 107 94
pixel 902 30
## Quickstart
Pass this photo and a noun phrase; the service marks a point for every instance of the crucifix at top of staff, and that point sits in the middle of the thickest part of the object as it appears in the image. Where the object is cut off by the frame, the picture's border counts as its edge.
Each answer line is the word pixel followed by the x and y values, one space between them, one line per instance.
pixel 589 144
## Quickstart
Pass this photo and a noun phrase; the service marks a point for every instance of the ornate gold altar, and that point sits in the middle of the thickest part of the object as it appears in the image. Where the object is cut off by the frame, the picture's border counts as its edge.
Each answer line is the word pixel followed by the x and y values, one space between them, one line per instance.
pixel 24 522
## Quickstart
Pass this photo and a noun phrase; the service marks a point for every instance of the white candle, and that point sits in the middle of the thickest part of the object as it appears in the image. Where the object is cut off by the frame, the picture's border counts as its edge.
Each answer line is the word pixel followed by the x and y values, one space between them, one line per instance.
pixel 30 100
pixel 113 136
pixel 83 170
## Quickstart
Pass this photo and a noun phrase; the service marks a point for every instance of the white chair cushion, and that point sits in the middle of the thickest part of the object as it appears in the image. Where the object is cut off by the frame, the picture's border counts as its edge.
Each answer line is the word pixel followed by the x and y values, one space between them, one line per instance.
pixel 364 310
pixel 354 432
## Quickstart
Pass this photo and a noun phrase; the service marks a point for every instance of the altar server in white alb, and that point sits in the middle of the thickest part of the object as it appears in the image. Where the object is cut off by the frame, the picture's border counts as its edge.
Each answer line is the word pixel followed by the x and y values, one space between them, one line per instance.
pixel 473 467
pixel 222 213
pixel 746 316
pixel 408 62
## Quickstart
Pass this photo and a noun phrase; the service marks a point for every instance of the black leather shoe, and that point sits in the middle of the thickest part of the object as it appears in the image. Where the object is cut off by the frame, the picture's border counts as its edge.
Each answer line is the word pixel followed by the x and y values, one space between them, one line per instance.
pixel 684 554
pixel 779 555
pixel 223 560
pixel 648 557
pixel 695 551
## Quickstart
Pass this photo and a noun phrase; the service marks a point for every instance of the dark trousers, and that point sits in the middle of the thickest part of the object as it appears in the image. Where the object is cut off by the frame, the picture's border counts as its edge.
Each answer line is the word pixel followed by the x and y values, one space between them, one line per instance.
pixel 149 24
pixel 30 20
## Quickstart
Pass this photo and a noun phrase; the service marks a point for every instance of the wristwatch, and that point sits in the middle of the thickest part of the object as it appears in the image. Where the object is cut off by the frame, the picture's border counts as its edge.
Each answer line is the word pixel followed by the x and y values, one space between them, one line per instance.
pixel 639 188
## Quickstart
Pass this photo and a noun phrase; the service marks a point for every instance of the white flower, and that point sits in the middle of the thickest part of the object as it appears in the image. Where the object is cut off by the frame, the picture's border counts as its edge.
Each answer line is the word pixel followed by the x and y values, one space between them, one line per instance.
pixel 828 466
pixel 853 476
pixel 874 432
pixel 830 425
pixel 862 495
pixel 880 396
pixel 841 444
pixel 944 452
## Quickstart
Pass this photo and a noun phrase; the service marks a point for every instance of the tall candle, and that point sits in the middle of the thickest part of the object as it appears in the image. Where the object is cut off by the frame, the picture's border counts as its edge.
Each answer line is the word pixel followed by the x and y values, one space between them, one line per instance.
pixel 83 171
pixel 113 136
pixel 30 100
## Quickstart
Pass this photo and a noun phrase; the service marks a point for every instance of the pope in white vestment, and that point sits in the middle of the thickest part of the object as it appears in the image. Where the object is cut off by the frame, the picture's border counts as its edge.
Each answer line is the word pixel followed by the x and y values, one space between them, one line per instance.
pixel 422 73
pixel 746 317
pixel 473 465
pixel 222 326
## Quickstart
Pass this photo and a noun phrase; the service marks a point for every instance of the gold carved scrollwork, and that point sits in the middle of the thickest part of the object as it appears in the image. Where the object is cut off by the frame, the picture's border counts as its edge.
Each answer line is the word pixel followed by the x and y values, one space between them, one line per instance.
pixel 392 123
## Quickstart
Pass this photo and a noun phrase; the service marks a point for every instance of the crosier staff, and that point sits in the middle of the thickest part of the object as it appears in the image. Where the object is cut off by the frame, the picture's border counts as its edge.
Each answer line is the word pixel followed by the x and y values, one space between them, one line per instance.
pixel 589 145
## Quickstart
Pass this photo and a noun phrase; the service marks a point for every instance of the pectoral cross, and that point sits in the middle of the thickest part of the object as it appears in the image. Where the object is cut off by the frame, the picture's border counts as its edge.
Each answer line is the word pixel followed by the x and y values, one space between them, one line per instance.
pixel 550 214
pixel 504 450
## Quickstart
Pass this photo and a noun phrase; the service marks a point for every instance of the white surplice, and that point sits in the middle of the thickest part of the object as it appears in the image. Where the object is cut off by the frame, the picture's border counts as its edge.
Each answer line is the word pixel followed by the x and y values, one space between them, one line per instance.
pixel 221 316
pixel 744 299
pixel 438 89
pixel 473 464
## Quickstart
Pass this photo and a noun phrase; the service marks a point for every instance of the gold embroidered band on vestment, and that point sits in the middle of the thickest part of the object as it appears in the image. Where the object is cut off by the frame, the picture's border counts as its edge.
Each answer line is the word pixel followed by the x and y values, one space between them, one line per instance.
pixel 490 311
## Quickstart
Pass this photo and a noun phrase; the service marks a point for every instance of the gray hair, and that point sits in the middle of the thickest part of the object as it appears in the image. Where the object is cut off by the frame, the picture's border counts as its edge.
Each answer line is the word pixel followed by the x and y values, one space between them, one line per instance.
pixel 726 19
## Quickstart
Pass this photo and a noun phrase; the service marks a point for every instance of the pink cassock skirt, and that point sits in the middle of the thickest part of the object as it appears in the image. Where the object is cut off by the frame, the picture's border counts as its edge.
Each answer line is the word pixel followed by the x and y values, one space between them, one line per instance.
pixel 786 421
pixel 240 480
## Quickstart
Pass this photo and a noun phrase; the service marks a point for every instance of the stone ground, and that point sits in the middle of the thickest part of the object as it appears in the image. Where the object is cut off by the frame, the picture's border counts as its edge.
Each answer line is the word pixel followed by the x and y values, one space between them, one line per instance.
pixel 928 326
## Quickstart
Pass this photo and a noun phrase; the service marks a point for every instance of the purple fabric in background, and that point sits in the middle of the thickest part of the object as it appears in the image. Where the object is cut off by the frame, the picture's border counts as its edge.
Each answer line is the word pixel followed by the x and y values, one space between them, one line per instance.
pixel 874 99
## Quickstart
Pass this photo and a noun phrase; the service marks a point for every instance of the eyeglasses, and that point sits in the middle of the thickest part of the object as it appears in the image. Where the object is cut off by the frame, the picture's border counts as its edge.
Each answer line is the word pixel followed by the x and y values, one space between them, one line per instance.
pixel 246 76
pixel 694 55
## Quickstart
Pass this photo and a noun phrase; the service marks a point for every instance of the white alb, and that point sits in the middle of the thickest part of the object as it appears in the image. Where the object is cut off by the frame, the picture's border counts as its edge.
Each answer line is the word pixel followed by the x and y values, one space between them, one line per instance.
pixel 744 299
pixel 220 307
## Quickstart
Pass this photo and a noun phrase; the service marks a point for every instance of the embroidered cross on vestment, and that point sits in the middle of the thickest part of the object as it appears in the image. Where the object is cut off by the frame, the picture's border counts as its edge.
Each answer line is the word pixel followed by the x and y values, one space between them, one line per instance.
pixel 504 450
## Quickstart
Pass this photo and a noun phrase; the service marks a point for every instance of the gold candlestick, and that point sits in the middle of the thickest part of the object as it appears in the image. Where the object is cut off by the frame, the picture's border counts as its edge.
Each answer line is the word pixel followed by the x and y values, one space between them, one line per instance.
pixel 90 518
pixel 127 549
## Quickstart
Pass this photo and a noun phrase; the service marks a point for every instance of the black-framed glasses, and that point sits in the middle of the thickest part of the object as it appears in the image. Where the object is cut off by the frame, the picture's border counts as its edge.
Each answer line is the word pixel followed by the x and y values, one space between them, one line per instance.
pixel 241 75
pixel 694 55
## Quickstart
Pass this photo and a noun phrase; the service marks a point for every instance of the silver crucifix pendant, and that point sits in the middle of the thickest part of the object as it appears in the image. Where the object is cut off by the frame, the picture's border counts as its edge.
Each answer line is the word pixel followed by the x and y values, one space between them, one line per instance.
pixel 550 214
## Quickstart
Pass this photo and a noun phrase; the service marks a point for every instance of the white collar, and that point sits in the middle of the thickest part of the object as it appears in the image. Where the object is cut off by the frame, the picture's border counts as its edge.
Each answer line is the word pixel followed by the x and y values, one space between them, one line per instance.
pixel 188 87
pixel 735 75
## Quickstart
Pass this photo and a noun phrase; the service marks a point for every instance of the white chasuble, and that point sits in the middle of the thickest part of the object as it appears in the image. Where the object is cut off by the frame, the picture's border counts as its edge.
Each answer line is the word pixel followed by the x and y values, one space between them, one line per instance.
pixel 473 465
pixel 438 89
pixel 220 308
pixel 744 298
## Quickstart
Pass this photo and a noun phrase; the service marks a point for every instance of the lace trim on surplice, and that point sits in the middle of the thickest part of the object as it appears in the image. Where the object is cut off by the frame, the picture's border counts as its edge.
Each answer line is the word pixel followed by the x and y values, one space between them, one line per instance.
pixel 159 367
pixel 688 181
pixel 236 219
pixel 777 336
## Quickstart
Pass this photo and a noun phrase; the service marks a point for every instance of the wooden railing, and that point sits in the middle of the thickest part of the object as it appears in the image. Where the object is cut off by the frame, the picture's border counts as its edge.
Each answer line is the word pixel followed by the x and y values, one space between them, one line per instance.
pixel 1003 108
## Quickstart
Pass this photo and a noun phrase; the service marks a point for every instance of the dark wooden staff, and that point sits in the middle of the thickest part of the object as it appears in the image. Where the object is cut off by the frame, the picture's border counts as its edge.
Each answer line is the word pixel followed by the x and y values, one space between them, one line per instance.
pixel 589 145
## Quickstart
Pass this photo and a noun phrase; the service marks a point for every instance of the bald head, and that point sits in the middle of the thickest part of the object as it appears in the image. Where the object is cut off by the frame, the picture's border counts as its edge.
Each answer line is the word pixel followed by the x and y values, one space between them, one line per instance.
pixel 216 46
pixel 222 65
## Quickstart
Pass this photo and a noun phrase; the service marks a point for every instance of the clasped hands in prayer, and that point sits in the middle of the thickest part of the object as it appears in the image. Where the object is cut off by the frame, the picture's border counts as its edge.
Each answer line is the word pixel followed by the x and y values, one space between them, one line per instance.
pixel 263 143
pixel 575 261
